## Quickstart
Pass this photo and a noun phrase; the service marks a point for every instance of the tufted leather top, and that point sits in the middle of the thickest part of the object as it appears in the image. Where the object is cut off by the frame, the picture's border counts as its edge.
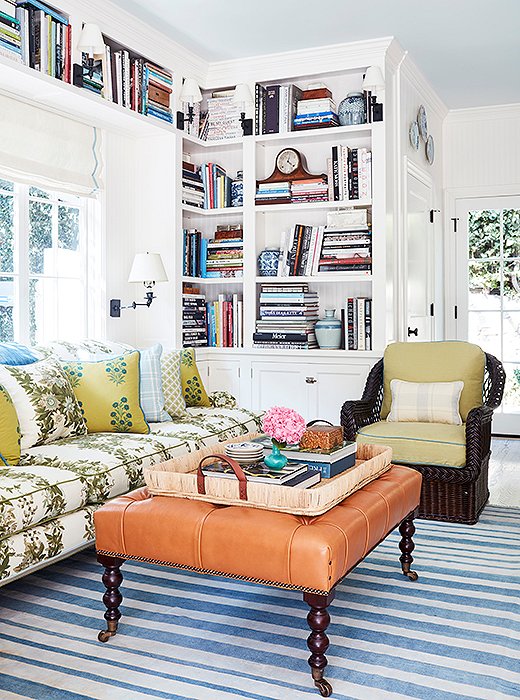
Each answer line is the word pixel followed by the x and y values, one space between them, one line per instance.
pixel 274 548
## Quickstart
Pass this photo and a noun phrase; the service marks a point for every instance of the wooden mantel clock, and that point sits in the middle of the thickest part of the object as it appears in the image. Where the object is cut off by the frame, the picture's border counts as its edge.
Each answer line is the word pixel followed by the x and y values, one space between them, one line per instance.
pixel 289 166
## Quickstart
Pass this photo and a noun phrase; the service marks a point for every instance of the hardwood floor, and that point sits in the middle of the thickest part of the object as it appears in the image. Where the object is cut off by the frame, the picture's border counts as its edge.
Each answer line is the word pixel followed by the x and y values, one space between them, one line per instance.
pixel 504 472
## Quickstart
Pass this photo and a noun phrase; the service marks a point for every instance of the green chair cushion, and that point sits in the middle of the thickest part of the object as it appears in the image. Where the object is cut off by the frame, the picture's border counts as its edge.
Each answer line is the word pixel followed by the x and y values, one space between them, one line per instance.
pixel 446 361
pixel 439 444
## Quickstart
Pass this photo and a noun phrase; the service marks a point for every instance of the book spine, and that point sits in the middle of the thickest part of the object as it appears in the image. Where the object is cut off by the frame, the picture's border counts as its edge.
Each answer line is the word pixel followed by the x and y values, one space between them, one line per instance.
pixel 272 106
pixel 335 173
pixel 368 324
pixel 355 174
pixel 360 324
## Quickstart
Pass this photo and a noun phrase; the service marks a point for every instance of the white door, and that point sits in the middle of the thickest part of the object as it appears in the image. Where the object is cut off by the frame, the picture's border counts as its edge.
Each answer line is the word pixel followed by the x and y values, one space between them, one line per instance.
pixel 418 256
pixel 488 290
pixel 332 385
pixel 224 375
pixel 280 384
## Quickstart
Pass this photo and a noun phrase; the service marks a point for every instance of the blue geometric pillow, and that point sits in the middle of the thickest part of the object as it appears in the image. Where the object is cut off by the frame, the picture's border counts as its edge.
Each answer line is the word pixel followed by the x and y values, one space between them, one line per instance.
pixel 150 389
pixel 16 354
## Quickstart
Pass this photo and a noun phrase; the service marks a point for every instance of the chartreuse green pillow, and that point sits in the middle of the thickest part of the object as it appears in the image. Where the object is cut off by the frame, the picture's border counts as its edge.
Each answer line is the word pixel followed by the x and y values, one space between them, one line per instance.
pixel 193 389
pixel 108 394
pixel 9 430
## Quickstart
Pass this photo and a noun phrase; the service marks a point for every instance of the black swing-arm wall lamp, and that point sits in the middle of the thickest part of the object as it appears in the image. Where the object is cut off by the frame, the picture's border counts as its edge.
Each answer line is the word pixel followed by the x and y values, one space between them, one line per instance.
pixel 147 268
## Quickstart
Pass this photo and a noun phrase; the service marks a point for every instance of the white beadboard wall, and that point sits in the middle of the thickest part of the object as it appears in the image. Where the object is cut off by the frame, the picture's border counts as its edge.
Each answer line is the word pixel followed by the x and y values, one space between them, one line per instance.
pixel 483 148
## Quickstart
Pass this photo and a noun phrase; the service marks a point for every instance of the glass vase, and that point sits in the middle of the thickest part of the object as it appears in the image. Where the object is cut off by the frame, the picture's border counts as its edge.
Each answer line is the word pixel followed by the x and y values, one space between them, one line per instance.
pixel 276 460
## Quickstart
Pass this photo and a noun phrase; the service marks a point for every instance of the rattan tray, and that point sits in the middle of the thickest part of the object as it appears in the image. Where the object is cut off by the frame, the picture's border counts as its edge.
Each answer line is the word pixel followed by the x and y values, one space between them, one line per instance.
pixel 178 477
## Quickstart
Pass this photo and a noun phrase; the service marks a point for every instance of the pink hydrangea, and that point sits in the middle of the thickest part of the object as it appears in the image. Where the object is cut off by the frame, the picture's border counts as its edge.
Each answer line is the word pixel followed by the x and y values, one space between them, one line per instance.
pixel 284 425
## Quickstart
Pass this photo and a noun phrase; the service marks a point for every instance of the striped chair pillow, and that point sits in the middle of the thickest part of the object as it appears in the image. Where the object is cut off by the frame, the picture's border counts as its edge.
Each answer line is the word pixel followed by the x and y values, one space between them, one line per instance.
pixel 434 402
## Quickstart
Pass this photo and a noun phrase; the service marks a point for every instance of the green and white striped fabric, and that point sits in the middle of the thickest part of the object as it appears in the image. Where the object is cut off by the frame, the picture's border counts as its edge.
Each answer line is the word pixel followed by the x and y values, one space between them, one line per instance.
pixel 433 402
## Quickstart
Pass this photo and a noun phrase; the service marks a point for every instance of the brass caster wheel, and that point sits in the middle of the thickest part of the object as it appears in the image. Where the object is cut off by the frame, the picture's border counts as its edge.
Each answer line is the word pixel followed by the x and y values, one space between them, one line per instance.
pixel 105 635
pixel 412 575
pixel 324 687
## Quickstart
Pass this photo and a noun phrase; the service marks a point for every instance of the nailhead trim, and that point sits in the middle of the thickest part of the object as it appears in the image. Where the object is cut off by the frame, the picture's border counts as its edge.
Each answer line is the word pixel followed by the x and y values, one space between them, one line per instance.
pixel 212 572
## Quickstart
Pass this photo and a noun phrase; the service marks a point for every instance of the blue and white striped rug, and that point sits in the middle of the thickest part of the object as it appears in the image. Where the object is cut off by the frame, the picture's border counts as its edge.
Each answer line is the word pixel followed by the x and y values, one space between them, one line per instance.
pixel 452 635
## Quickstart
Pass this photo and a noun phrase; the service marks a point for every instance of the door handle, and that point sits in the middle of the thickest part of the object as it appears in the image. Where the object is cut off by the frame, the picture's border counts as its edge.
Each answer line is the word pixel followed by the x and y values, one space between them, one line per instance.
pixel 311 380
pixel 413 331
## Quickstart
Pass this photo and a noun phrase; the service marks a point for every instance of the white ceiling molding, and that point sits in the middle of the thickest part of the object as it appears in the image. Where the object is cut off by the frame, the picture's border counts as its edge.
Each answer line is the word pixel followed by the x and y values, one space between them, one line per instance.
pixel 410 71
pixel 472 114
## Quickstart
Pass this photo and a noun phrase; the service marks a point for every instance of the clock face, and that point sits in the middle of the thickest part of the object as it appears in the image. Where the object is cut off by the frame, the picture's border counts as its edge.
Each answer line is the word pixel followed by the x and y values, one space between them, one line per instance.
pixel 288 161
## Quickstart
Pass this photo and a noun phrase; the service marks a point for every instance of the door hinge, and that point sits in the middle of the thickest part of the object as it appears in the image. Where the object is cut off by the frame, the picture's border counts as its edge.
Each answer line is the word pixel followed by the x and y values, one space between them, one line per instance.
pixel 456 312
pixel 432 309
pixel 432 214
pixel 455 219
pixel 251 373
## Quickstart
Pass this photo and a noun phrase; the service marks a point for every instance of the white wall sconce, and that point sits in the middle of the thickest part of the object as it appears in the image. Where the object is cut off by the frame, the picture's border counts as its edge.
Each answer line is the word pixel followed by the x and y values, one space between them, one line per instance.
pixel 147 268
pixel 190 93
pixel 374 83
pixel 91 42
pixel 243 97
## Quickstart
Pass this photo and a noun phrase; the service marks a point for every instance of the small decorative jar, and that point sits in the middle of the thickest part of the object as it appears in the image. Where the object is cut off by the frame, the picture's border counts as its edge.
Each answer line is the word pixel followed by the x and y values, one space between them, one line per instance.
pixel 328 331
pixel 352 109
pixel 268 262
pixel 237 191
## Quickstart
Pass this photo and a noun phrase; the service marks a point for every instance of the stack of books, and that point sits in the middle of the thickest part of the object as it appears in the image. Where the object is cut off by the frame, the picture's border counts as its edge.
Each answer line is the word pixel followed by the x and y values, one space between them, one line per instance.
pixel 194 252
pixel 313 189
pixel 288 314
pixel 329 463
pixel 346 250
pixel 358 323
pixel 275 108
pixel 217 186
pixel 316 109
pixel 349 173
pixel 151 93
pixel 192 186
pixel 300 251
pixel 225 253
pixel 223 117
pixel 273 193
pixel 224 319
pixel 295 474
pixel 194 321
pixel 36 34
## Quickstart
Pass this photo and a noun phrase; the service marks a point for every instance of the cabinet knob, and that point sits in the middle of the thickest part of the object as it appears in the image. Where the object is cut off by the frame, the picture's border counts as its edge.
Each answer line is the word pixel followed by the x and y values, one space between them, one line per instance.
pixel 311 380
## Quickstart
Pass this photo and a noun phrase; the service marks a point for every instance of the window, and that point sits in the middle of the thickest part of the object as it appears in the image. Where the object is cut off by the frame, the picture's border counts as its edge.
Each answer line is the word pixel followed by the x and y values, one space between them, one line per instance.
pixel 43 264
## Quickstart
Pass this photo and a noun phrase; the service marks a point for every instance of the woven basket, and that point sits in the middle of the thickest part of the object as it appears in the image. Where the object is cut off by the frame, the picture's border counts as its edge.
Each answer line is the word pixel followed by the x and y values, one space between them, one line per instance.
pixel 178 477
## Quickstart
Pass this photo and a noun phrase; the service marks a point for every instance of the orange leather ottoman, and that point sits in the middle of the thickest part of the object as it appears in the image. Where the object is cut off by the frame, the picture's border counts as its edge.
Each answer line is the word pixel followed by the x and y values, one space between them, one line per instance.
pixel 300 553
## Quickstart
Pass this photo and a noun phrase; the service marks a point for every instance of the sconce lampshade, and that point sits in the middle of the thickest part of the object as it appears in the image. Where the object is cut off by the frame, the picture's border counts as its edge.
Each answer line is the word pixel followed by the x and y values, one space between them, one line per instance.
pixel 147 267
pixel 242 95
pixel 91 40
pixel 190 91
pixel 374 80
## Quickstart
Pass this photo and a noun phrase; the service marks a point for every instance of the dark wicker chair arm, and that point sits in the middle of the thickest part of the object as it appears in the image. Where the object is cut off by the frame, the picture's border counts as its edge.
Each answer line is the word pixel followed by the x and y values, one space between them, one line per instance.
pixel 494 382
pixel 478 437
pixel 356 414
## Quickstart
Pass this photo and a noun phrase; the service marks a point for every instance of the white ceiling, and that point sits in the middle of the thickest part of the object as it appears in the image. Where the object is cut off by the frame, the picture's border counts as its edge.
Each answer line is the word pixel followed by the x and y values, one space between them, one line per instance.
pixel 468 49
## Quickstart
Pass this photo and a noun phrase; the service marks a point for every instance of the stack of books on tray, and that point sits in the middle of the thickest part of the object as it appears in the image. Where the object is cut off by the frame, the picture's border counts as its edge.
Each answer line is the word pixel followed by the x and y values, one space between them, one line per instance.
pixel 217 186
pixel 346 250
pixel 329 463
pixel 225 322
pixel 316 109
pixel 296 474
pixel 275 108
pixel 224 253
pixel 349 173
pixel 192 187
pixel 358 323
pixel 223 117
pixel 288 314
pixel 273 193
pixel 194 322
pixel 313 189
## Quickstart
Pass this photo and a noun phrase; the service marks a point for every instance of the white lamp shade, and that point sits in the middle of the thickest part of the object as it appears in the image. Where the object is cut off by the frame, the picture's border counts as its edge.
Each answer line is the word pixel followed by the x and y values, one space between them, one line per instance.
pixel 243 95
pixel 374 80
pixel 91 40
pixel 147 267
pixel 190 91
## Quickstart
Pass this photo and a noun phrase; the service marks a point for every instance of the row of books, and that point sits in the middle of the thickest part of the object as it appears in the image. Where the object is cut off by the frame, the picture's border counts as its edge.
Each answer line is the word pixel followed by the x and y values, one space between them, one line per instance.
pixel 37 35
pixel 225 321
pixel 317 109
pixel 357 323
pixel 221 120
pixel 349 173
pixel 192 185
pixel 283 108
pixel 288 314
pixel 222 256
pixel 314 189
pixel 194 319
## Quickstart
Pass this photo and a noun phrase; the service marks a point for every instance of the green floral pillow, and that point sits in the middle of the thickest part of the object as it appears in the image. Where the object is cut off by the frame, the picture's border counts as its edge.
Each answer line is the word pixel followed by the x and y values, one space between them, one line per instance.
pixel 193 388
pixel 44 401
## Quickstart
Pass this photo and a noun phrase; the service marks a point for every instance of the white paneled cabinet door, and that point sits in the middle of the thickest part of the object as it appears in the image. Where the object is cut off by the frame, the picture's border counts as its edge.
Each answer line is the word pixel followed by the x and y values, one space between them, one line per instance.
pixel 332 386
pixel 223 376
pixel 280 384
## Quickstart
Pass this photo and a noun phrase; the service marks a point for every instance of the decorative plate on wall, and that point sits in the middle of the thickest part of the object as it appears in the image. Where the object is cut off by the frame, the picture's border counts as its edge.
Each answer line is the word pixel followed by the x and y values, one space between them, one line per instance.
pixel 413 133
pixel 422 122
pixel 430 150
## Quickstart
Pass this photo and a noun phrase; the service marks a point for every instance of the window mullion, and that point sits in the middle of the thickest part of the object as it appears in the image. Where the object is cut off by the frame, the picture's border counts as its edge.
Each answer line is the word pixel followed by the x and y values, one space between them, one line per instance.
pixel 22 233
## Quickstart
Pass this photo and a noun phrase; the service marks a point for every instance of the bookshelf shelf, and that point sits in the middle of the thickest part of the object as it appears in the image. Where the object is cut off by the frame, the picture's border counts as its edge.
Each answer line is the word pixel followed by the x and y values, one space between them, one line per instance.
pixel 325 135
pixel 224 144
pixel 312 206
pixel 334 278
pixel 214 280
pixel 227 211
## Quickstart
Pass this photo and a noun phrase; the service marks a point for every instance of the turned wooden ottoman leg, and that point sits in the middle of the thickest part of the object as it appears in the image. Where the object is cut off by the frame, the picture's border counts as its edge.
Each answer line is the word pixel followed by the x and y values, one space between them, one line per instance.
pixel 318 642
pixel 406 545
pixel 112 598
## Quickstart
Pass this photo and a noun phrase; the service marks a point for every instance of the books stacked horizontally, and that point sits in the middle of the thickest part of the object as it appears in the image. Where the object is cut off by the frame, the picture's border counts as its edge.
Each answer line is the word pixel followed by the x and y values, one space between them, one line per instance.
pixel 346 250
pixel 288 314
pixel 217 186
pixel 225 321
pixel 329 463
pixel 194 321
pixel 275 108
pixel 313 189
pixel 36 34
pixel 223 117
pixel 295 474
pixel 151 92
pixel 316 109
pixel 300 251
pixel 349 173
pixel 358 323
pixel 192 186
pixel 273 193
pixel 225 253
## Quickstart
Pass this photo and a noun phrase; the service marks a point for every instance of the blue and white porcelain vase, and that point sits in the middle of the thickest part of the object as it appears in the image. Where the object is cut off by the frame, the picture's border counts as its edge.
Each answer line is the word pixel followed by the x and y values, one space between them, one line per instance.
pixel 352 109
pixel 328 331
pixel 268 262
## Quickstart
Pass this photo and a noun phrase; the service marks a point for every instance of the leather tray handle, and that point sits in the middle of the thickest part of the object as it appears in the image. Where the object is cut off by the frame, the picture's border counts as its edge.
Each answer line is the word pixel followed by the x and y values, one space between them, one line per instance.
pixel 235 466
pixel 319 420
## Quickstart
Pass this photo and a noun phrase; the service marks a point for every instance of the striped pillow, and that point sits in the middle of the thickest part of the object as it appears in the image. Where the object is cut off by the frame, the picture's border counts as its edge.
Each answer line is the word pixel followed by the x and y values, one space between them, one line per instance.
pixel 435 402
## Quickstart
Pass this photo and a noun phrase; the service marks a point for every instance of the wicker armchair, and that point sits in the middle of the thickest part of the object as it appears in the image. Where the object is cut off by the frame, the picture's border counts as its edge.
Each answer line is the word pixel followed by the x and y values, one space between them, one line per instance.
pixel 452 495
